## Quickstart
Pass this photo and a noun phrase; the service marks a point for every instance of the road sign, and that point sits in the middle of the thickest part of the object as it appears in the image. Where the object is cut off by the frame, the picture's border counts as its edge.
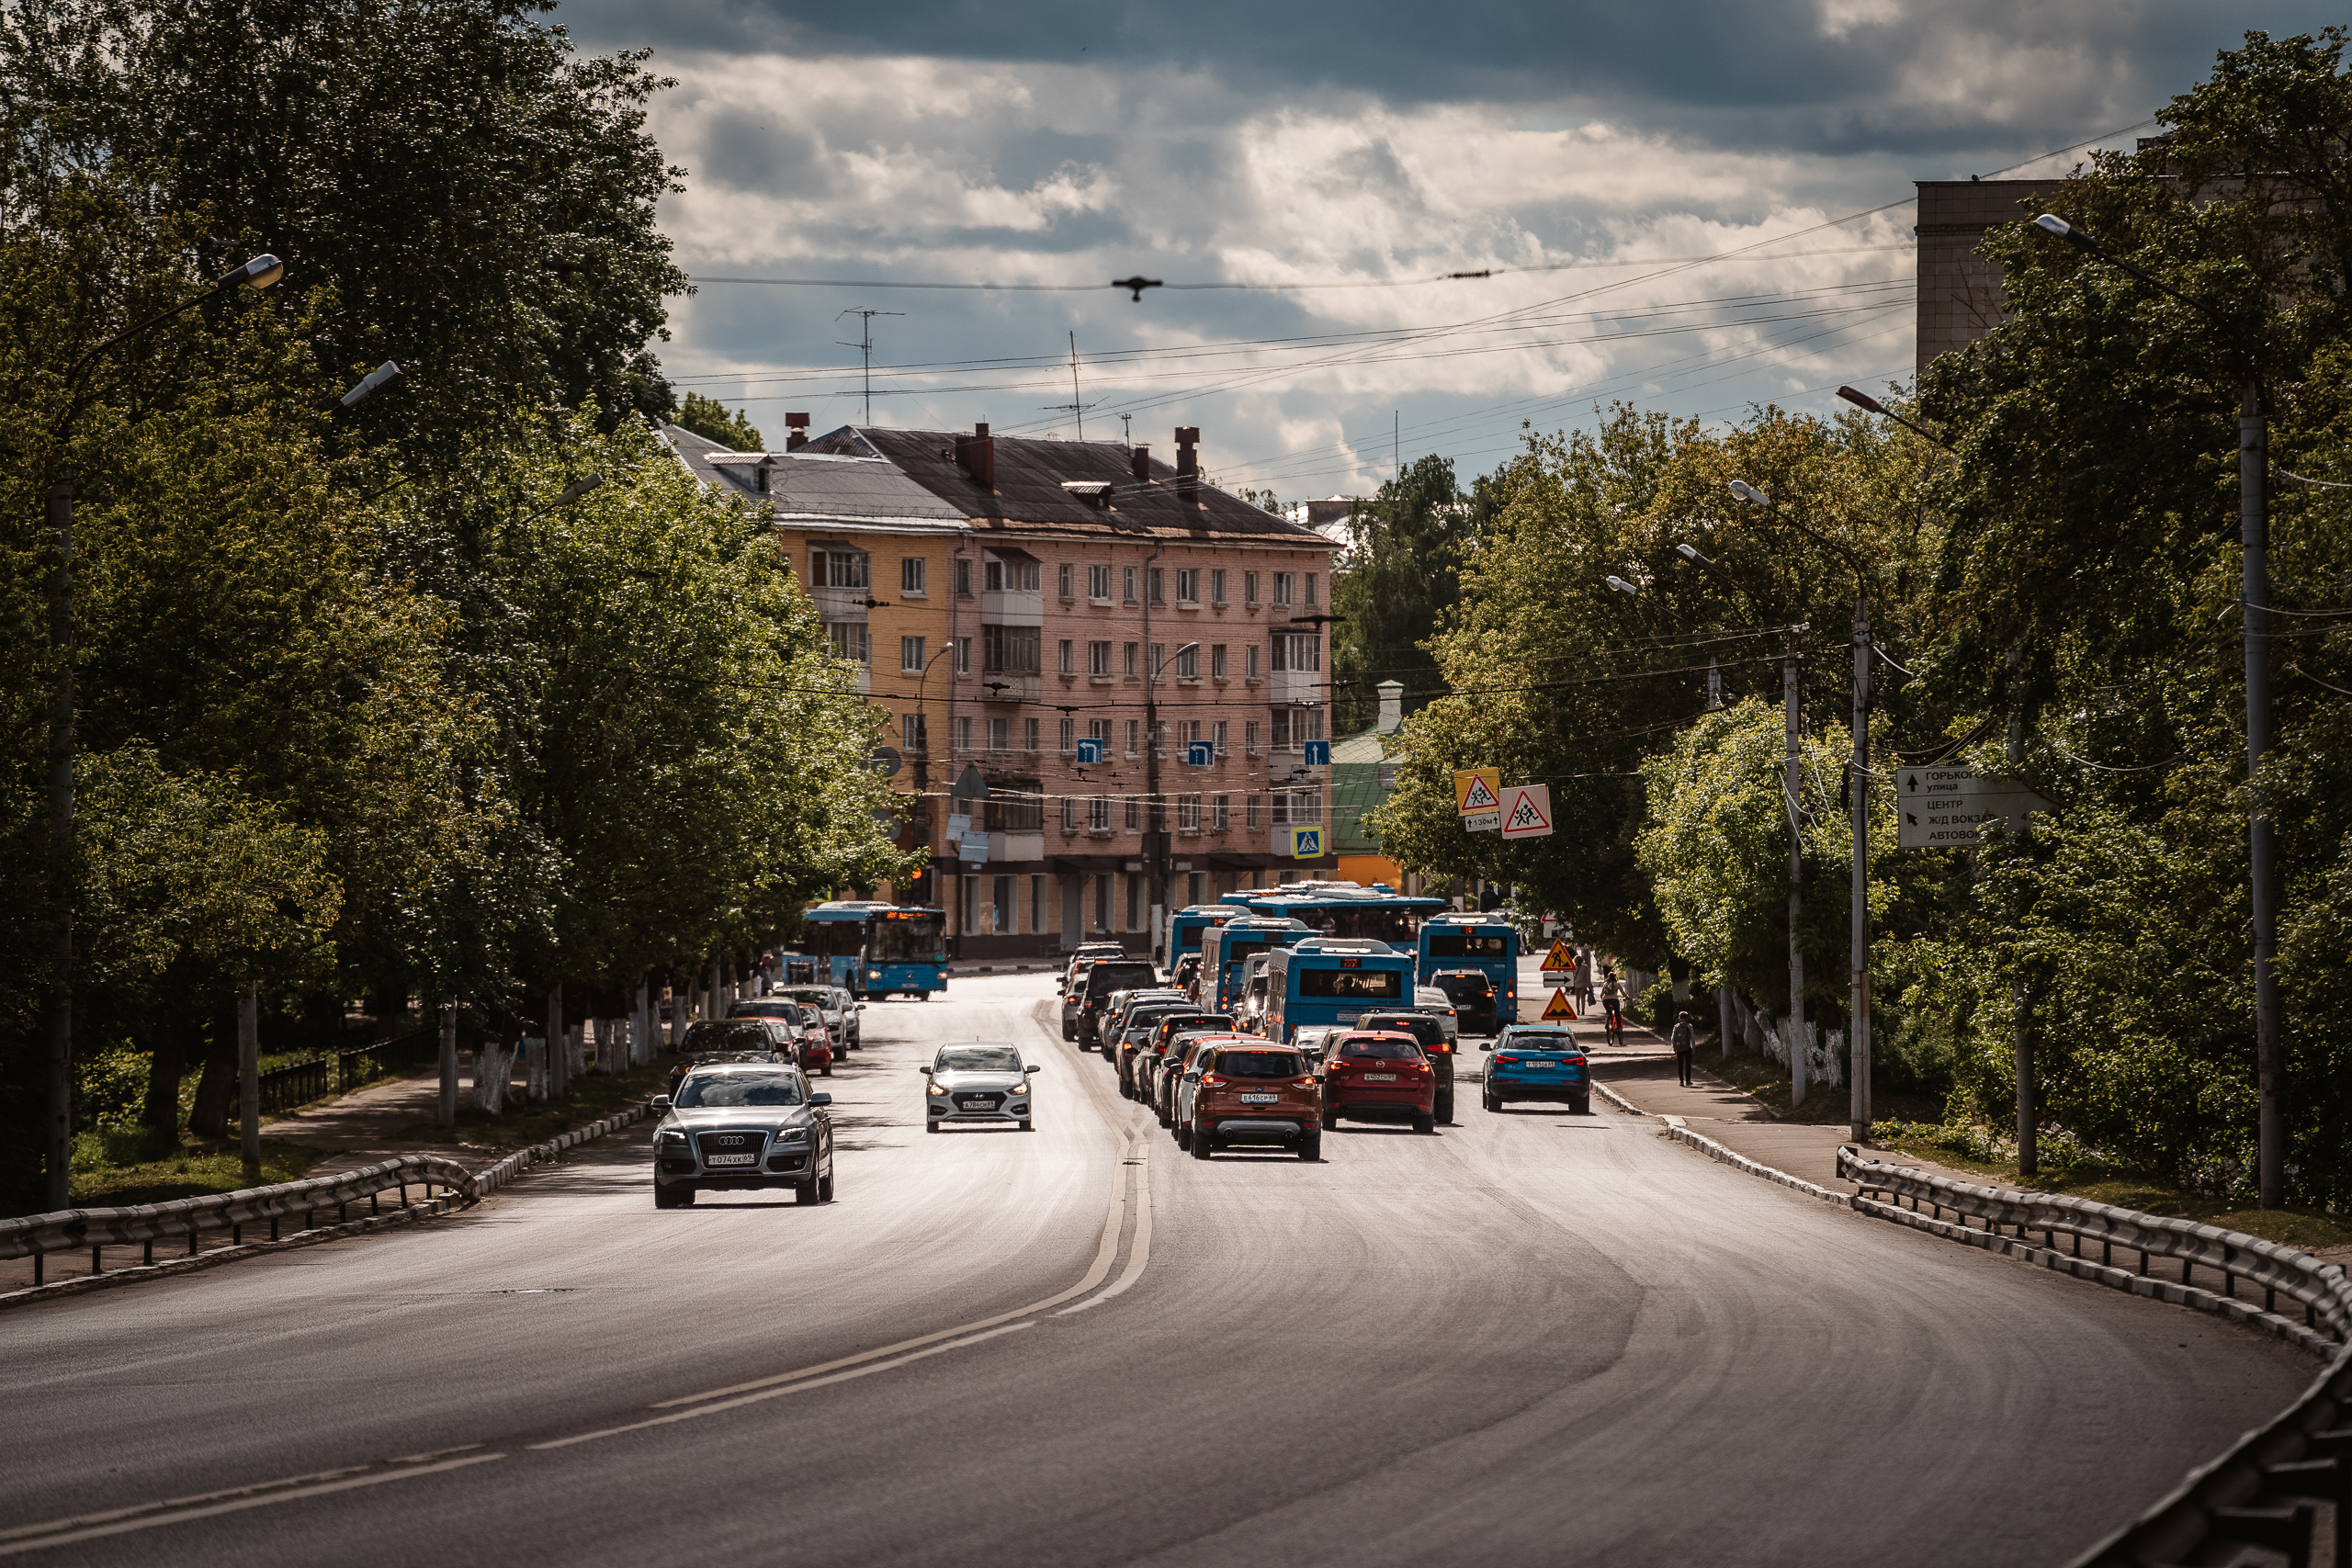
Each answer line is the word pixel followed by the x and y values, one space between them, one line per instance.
pixel 1089 750
pixel 1942 808
pixel 1527 811
pixel 1484 822
pixel 972 848
pixel 1201 753
pixel 1559 960
pixel 1307 844
pixel 886 761
pixel 1477 791
pixel 958 825
pixel 1318 752
pixel 969 785
pixel 1557 1009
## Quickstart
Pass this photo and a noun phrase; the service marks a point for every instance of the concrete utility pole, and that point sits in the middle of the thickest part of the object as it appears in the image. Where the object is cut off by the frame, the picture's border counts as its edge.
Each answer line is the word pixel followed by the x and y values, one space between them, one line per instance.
pixel 1857 1021
pixel 446 1113
pixel 1155 858
pixel 249 1075
pixel 1792 781
pixel 2254 542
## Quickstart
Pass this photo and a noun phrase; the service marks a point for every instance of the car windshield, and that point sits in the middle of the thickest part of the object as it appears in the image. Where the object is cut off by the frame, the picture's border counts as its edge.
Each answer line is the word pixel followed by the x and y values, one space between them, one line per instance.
pixel 1471 987
pixel 978 1059
pixel 736 1034
pixel 1260 1064
pixel 738 1089
pixel 761 1010
pixel 1366 1050
pixel 1428 1030
pixel 814 999
pixel 1549 1040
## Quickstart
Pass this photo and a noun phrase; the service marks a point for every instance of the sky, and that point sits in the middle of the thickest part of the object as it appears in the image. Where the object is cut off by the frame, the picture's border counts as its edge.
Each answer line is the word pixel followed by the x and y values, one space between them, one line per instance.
pixel 1693 208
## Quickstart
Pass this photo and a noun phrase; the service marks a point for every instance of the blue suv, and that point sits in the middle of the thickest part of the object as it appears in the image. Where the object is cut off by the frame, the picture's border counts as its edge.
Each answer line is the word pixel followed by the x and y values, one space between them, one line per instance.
pixel 1535 1062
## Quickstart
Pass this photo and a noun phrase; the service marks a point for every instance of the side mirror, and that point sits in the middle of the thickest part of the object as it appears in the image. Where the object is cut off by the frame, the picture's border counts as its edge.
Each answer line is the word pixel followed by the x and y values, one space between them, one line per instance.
pixel 820 1098
pixel 924 1071
pixel 1033 1067
pixel 1485 1046
pixel 659 1102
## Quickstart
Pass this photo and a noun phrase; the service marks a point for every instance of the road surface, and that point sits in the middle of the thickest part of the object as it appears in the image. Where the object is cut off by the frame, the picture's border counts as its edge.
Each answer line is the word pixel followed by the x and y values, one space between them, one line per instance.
pixel 1533 1338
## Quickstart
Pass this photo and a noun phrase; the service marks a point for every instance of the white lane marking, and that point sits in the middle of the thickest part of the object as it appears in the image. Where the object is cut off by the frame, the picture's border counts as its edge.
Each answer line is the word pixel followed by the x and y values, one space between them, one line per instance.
pixel 1103 1253
pixel 256 1498
pixel 1139 1254
pixel 739 1402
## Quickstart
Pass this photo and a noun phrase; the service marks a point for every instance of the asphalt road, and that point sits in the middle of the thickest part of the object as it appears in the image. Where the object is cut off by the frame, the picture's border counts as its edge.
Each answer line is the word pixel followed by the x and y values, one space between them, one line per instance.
pixel 1532 1338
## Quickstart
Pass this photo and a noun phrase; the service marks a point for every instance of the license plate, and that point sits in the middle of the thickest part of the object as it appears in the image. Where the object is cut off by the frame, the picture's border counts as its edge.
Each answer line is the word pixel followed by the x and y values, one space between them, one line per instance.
pixel 1539 1065
pixel 1380 1078
pixel 976 1105
pixel 731 1159
pixel 1262 1100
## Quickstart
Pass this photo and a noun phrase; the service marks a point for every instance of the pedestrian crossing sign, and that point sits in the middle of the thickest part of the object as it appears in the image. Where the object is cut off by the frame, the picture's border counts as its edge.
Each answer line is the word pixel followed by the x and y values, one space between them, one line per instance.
pixel 1307 844
pixel 1477 790
pixel 1557 1009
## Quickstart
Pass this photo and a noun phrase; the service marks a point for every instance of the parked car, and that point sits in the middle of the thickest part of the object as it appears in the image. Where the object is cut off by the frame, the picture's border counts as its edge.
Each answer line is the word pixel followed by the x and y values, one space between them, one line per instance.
pixel 813 1041
pixel 1439 1006
pixel 978 1081
pixel 1182 1053
pixel 1106 975
pixel 743 1040
pixel 1378 1078
pixel 1535 1062
pixel 742 1127
pixel 838 1008
pixel 1472 992
pixel 1430 1036
pixel 1152 1051
pixel 1243 1093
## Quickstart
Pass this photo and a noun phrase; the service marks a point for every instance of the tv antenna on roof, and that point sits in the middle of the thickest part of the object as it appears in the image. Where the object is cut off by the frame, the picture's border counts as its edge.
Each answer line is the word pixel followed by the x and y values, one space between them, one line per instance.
pixel 1074 407
pixel 865 343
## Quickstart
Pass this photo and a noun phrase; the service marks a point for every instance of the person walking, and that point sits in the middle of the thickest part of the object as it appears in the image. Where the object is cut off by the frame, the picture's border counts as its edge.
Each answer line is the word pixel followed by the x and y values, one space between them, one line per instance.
pixel 1612 1002
pixel 1685 1041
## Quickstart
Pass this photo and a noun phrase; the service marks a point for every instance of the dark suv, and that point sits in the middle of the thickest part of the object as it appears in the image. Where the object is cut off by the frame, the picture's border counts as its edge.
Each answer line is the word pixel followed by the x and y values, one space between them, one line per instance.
pixel 1109 974
pixel 1434 1045
pixel 1472 992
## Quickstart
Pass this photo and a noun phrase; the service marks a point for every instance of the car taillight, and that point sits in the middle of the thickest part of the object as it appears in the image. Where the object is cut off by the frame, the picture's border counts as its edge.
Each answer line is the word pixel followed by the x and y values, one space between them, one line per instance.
pixel 1210 1080
pixel 1505 1061
pixel 1307 1082
pixel 1575 1061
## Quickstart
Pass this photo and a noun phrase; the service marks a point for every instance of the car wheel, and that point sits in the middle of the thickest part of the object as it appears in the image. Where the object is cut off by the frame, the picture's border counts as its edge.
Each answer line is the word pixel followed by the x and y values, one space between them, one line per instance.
pixel 931 1126
pixel 665 1198
pixel 1330 1116
pixel 1445 1110
pixel 1424 1123
pixel 807 1191
pixel 1582 1105
pixel 1491 1101
pixel 1165 1119
pixel 1199 1144
pixel 1182 1135
pixel 1311 1147
pixel 827 1071
pixel 825 1187
pixel 922 995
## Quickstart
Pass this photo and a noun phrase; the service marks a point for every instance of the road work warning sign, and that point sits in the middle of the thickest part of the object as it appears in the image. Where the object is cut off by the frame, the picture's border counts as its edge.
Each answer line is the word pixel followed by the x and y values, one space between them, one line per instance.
pixel 1559 960
pixel 1557 1009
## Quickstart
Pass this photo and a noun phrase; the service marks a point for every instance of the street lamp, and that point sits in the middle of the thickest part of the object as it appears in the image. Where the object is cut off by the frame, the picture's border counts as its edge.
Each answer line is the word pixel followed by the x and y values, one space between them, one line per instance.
pixel 1869 404
pixel 259 273
pixel 2270 1061
pixel 1858 1031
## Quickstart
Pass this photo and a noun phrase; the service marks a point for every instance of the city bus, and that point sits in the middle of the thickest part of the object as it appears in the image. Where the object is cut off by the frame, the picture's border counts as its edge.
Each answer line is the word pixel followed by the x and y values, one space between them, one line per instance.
pixel 1346 909
pixel 1332 980
pixel 1225 948
pixel 873 948
pixel 1487 943
pixel 835 939
pixel 1185 927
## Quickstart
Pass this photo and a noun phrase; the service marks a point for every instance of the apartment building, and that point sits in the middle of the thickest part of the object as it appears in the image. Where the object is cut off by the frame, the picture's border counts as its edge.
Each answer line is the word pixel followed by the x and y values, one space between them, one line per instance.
pixel 1006 599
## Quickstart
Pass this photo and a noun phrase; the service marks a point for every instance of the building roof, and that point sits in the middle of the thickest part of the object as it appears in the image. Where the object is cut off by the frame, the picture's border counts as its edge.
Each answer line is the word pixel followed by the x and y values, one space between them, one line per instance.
pixel 805 486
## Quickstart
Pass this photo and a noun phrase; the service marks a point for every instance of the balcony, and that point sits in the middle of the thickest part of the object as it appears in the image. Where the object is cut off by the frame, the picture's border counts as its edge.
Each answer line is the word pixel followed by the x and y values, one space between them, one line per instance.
pixel 1004 688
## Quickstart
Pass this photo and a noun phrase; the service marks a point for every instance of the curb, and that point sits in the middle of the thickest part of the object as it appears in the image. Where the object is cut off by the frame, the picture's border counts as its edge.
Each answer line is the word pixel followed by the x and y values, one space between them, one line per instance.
pixel 1715 1151
pixel 486 1182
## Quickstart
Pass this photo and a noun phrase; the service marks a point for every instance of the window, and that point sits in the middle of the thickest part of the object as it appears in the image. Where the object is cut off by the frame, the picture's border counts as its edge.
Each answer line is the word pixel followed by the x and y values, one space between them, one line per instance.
pixel 1062 583
pixel 1098 660
pixel 1131 651
pixel 1158 585
pixel 1250 661
pixel 913 735
pixel 1067 666
pixel 1250 741
pixel 1037 903
pixel 1135 732
pixel 837 568
pixel 1281 808
pixel 1217 733
pixel 963 735
pixel 1297 650
pixel 1188 587
pixel 1217 586
pixel 962 655
pixel 1249 813
pixel 1281 739
pixel 1099 730
pixel 1009 650
pixel 1310 590
pixel 1189 731
pixel 1097 583
pixel 1250 588
pixel 1188 813
pixel 849 640
pixel 1159 659
pixel 1282 587
pixel 1011 812
pixel 1188 664
pixel 1103 896
pixel 910 654
pixel 1070 814
pixel 1069 736
pixel 1127 580
pixel 999 734
pixel 1009 576
pixel 1216 663
pixel 1134 903
pixel 1134 814
pixel 913 571
pixel 1220 810
pixel 1097 820
pixel 1028 735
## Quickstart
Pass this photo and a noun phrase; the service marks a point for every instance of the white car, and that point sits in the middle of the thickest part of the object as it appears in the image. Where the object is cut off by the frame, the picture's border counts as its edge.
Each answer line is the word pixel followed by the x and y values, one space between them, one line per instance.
pixel 976 1082
pixel 838 1007
pixel 1438 1005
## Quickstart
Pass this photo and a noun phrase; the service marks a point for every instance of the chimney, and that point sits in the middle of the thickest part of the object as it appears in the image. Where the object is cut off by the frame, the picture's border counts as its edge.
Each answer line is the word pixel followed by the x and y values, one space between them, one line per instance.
pixel 1140 464
pixel 975 455
pixel 1188 464
pixel 1392 707
pixel 796 432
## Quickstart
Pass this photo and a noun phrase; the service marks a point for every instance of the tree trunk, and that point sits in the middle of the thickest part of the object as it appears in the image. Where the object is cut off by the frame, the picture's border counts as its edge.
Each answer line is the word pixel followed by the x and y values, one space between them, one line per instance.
pixel 168 1038
pixel 210 1116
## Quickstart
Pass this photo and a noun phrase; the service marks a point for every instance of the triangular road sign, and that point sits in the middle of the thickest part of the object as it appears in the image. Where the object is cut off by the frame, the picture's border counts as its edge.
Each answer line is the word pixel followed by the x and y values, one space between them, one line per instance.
pixel 1559 960
pixel 1557 1009
pixel 1527 811
pixel 1478 795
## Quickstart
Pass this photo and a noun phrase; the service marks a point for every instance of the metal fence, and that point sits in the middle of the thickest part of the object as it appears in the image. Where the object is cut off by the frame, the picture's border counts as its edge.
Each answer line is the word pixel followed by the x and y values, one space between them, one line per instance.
pixel 298 1082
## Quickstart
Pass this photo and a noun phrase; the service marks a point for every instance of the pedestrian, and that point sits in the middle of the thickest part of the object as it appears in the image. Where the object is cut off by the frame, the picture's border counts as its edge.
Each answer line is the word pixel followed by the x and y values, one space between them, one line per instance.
pixel 1612 1000
pixel 1584 978
pixel 1685 1040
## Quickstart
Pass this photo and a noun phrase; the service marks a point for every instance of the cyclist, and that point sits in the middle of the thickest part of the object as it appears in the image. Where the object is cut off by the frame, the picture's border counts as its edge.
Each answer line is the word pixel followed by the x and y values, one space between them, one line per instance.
pixel 1612 999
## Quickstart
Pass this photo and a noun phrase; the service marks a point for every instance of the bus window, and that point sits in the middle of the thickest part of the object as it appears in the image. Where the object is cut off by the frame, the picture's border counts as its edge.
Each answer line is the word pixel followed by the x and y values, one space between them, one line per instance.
pixel 1469 944
pixel 1352 984
pixel 907 938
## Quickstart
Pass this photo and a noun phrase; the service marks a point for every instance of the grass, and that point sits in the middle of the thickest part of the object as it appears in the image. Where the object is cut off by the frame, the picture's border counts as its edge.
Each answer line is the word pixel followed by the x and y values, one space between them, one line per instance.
pixel 1767 1082
pixel 115 1167
pixel 594 1098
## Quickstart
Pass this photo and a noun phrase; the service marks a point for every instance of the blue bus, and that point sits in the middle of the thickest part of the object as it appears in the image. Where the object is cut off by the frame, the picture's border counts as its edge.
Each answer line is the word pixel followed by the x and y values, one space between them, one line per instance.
pixel 1225 948
pixel 834 939
pixel 1487 943
pixel 1332 980
pixel 875 949
pixel 1345 909
pixel 1185 929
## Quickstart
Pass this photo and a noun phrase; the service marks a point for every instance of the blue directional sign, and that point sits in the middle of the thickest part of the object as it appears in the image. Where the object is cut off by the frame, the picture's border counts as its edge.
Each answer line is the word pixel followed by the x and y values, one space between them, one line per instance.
pixel 1318 754
pixel 1089 750
pixel 1201 753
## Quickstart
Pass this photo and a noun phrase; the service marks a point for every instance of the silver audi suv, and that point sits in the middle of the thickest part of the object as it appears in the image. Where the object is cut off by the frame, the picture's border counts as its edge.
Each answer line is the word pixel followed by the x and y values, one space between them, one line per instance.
pixel 742 1127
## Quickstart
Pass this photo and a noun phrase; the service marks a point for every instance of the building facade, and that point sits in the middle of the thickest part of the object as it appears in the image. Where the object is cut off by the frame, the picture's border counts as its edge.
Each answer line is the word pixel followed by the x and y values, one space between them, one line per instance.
pixel 1960 293
pixel 1005 600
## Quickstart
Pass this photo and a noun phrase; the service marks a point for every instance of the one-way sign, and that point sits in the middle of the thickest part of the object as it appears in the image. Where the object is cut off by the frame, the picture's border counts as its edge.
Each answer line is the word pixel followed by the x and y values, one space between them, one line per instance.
pixel 1942 808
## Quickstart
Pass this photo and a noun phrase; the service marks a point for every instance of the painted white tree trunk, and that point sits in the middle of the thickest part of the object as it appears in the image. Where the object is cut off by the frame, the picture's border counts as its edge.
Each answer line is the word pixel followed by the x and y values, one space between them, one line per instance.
pixel 493 1064
pixel 575 1053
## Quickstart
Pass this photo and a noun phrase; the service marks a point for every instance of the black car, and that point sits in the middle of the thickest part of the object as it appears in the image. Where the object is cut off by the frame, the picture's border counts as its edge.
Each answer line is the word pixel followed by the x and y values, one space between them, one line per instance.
pixel 1109 974
pixel 1472 992
pixel 1434 1042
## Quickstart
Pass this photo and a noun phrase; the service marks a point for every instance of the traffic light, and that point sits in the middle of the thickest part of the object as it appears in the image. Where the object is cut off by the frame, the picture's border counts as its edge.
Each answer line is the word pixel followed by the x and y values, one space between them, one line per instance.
pixel 922 888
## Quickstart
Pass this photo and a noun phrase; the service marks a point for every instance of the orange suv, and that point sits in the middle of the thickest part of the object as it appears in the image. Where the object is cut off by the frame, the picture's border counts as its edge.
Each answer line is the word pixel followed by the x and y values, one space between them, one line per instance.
pixel 1378 1078
pixel 1248 1093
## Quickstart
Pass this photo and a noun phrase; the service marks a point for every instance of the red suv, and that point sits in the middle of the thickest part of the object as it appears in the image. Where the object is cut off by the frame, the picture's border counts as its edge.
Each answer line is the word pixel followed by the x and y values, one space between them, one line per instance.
pixel 1378 1078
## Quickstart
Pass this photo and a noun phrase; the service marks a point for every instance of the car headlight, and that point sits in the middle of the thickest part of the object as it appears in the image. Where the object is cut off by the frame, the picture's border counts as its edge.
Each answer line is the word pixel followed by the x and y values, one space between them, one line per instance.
pixel 793 1135
pixel 937 1090
pixel 671 1140
pixel 1020 1089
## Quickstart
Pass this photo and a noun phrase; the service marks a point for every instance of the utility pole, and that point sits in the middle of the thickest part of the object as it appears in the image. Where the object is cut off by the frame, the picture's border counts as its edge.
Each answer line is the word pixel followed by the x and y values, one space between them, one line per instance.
pixel 1858 1016
pixel 865 345
pixel 2271 1057
pixel 1155 858
pixel 60 1139
pixel 2021 1022
pixel 1791 783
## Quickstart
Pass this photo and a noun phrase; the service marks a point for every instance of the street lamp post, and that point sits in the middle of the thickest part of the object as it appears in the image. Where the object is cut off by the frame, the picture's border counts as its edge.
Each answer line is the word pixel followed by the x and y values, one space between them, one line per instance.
pixel 258 273
pixel 2270 1061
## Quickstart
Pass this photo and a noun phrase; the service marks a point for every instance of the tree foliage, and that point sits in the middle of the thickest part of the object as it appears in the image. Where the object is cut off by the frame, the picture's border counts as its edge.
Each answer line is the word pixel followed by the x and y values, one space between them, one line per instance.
pixel 711 419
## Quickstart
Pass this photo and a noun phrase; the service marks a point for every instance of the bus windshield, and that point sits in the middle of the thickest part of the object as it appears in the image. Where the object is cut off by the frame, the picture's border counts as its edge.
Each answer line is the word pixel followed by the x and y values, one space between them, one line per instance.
pixel 1355 985
pixel 906 939
pixel 1469 944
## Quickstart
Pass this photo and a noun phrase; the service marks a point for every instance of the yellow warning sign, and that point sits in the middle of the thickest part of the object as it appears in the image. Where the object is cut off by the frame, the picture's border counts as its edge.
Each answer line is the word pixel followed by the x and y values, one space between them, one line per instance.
pixel 1478 790
pixel 1559 960
pixel 1558 1009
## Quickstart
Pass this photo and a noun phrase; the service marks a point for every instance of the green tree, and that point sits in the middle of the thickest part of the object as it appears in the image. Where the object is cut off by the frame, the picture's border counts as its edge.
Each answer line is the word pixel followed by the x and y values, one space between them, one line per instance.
pixel 1392 591
pixel 711 419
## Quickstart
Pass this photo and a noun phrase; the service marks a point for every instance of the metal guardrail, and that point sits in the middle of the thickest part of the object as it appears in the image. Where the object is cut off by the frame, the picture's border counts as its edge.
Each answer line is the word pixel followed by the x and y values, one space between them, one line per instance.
pixel 2264 1493
pixel 142 1225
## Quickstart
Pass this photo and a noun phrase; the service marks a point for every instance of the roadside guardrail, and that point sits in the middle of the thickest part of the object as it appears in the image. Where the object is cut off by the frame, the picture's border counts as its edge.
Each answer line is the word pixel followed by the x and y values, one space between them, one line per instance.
pixel 2265 1490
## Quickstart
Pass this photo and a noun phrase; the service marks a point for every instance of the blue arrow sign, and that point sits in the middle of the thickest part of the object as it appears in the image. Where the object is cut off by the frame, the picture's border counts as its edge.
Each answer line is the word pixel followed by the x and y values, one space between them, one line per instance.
pixel 1089 750
pixel 1201 753
pixel 1318 754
